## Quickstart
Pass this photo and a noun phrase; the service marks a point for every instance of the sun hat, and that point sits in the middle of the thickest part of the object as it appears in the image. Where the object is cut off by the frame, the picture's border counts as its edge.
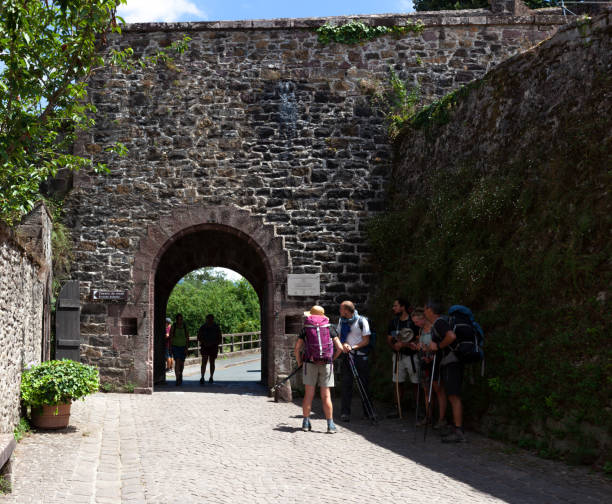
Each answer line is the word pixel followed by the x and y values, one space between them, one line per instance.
pixel 315 310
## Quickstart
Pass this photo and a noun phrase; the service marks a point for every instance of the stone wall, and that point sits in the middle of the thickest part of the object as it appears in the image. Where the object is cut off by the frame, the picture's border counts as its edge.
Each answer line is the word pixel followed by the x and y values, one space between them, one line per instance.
pixel 542 118
pixel 527 104
pixel 260 116
pixel 25 276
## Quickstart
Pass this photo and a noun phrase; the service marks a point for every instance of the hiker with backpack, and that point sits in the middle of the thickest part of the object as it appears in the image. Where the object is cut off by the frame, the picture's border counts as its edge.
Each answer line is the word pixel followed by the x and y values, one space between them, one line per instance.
pixel 316 348
pixel 451 369
pixel 355 334
pixel 401 338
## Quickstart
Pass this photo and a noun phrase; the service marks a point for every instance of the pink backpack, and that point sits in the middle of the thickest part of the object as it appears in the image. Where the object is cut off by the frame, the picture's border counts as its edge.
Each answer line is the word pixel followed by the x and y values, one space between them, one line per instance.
pixel 319 346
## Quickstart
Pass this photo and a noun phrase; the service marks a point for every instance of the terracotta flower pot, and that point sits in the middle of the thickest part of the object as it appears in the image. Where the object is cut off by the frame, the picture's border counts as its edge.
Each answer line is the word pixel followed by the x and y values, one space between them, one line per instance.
pixel 46 418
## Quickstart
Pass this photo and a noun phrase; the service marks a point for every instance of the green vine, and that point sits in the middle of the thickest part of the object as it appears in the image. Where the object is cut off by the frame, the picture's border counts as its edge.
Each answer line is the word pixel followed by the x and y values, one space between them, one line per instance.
pixel 356 32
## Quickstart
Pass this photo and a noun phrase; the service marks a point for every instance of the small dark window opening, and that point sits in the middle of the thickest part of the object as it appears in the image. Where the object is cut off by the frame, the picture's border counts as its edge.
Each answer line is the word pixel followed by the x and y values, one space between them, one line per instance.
pixel 293 324
pixel 129 326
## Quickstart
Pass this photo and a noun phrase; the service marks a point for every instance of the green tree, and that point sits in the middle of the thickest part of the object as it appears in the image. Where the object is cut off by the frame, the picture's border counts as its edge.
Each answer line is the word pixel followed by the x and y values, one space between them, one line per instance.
pixel 48 50
pixel 235 305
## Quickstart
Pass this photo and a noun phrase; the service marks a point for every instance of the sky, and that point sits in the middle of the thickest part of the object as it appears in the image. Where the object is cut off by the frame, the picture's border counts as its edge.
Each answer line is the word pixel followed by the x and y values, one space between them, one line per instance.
pixel 145 11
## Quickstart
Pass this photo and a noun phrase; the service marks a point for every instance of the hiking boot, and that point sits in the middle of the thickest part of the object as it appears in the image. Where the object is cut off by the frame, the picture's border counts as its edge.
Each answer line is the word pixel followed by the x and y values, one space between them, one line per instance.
pixel 345 418
pixel 439 424
pixel 202 382
pixel 331 427
pixel 306 426
pixel 457 436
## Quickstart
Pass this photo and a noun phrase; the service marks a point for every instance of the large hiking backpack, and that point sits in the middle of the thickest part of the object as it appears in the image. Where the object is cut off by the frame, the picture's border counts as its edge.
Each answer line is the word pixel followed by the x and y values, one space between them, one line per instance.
pixel 319 346
pixel 470 337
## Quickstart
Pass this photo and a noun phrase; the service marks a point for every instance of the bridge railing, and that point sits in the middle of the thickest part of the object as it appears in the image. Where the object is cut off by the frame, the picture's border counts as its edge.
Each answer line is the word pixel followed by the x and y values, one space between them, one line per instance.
pixel 234 344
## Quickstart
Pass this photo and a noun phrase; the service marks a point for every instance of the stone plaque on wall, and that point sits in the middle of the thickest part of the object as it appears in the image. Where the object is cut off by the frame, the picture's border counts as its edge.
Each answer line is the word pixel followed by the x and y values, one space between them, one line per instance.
pixel 307 285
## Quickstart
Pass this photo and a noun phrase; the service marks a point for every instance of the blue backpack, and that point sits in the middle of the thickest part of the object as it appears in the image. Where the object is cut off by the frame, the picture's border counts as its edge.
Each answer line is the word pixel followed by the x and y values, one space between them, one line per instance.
pixel 470 337
pixel 372 343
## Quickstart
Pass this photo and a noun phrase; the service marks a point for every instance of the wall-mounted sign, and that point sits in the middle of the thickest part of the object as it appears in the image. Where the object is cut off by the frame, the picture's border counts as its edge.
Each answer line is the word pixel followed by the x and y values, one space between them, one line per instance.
pixel 109 295
pixel 304 285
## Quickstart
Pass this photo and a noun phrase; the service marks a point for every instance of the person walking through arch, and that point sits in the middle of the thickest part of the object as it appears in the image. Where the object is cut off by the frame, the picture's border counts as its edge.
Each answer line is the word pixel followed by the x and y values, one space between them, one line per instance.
pixel 169 360
pixel 210 337
pixel 179 336
pixel 321 346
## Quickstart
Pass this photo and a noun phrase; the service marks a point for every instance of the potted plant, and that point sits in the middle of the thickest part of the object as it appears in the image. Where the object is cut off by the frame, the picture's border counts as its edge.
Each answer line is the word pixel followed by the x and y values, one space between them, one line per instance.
pixel 50 387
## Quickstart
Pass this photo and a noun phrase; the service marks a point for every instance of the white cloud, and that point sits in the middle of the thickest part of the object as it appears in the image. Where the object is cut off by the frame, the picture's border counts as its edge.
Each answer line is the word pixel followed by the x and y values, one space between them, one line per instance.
pixel 406 6
pixel 229 274
pixel 148 11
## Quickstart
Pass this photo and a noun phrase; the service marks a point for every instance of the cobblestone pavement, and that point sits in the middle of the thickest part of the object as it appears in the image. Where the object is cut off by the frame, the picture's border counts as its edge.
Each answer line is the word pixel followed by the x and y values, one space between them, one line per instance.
pixel 228 442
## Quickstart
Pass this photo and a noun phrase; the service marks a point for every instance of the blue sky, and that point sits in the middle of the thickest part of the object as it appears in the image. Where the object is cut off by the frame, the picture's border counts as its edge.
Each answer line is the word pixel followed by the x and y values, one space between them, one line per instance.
pixel 143 11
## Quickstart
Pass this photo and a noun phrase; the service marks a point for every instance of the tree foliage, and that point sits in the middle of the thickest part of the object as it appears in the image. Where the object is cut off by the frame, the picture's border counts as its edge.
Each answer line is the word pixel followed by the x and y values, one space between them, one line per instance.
pixel 48 49
pixel 235 305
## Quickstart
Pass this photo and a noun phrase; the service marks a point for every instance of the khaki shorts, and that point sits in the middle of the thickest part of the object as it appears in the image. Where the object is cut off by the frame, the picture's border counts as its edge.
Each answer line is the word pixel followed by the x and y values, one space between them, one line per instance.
pixel 318 374
pixel 405 368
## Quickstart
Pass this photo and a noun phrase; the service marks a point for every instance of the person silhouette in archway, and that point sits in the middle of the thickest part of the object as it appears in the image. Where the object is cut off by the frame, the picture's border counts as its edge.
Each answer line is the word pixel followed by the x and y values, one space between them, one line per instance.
pixel 179 336
pixel 210 338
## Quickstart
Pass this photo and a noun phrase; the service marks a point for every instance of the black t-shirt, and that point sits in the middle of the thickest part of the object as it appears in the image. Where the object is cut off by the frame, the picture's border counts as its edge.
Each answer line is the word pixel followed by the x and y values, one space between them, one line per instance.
pixel 397 325
pixel 209 335
pixel 438 332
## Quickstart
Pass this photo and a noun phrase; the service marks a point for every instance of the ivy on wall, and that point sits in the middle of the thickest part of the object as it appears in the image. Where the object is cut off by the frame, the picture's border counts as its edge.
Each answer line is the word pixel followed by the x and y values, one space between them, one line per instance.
pixel 356 32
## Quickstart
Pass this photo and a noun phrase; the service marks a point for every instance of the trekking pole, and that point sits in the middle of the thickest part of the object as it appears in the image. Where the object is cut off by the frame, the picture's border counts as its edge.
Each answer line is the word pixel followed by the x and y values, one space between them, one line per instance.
pixel 278 385
pixel 362 391
pixel 433 372
pixel 416 414
pixel 397 392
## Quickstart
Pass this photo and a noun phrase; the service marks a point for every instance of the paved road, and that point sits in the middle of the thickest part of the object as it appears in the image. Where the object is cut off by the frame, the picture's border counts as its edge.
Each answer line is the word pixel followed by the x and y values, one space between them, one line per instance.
pixel 229 443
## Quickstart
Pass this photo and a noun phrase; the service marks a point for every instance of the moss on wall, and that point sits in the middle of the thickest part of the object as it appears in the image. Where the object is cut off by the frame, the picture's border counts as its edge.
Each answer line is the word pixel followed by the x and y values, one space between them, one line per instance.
pixel 511 214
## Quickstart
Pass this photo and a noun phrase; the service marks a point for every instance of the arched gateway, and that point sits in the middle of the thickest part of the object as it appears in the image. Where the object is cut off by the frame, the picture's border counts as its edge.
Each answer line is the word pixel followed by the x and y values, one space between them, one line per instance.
pixel 190 238
pixel 257 149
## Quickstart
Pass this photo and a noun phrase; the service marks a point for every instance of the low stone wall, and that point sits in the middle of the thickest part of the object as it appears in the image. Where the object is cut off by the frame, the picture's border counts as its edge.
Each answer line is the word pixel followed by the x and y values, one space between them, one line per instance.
pixel 25 273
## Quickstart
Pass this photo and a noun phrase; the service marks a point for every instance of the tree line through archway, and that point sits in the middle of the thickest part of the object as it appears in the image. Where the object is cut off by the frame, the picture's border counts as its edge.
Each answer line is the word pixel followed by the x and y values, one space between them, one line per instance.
pixel 234 303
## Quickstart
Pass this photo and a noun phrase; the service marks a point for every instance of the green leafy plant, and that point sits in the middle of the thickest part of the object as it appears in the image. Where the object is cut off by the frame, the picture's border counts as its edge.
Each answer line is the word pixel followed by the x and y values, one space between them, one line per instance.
pixel 22 429
pixel 5 485
pixel 397 102
pixel 129 387
pixel 107 387
pixel 49 51
pixel 356 32
pixel 58 381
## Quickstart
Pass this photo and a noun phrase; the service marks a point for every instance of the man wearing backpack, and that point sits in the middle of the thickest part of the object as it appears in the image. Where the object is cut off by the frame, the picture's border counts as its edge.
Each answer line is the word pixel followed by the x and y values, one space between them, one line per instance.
pixel 316 348
pixel 451 369
pixel 355 337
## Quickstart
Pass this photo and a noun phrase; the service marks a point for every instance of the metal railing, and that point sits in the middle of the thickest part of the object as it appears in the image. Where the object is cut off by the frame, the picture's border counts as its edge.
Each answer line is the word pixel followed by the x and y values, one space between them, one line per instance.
pixel 234 343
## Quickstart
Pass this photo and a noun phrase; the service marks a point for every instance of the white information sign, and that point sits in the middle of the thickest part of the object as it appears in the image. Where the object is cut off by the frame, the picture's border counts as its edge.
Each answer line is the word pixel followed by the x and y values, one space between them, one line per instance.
pixel 304 285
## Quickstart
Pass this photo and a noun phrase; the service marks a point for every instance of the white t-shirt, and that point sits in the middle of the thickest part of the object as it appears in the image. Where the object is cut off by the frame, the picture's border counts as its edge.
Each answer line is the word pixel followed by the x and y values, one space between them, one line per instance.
pixel 356 334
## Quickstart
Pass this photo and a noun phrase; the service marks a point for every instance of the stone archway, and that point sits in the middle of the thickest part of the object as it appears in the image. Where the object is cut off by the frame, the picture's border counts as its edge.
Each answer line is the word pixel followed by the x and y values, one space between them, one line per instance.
pixel 191 237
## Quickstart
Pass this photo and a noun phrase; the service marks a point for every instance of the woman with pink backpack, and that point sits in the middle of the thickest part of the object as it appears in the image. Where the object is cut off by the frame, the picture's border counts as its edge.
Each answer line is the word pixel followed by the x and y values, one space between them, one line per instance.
pixel 317 346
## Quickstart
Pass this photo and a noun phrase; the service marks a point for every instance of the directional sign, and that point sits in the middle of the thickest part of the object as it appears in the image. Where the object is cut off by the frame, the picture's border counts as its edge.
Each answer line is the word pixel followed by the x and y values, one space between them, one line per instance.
pixel 109 295
pixel 304 285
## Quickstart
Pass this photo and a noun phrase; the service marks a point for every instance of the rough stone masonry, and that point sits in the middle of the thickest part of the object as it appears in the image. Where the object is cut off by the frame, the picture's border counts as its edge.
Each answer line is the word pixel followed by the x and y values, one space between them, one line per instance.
pixel 257 149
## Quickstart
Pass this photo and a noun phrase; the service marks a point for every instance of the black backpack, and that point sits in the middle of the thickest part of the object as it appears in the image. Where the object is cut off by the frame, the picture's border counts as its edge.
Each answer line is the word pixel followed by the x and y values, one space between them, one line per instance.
pixel 470 337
